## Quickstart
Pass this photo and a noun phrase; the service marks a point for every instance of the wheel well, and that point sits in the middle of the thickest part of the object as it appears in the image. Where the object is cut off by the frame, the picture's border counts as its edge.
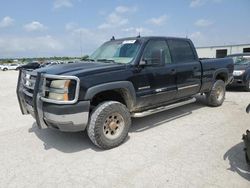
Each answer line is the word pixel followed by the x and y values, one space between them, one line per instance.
pixel 110 95
pixel 221 76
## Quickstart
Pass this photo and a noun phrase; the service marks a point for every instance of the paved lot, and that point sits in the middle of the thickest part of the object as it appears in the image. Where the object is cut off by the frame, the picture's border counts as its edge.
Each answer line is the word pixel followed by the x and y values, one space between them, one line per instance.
pixel 191 146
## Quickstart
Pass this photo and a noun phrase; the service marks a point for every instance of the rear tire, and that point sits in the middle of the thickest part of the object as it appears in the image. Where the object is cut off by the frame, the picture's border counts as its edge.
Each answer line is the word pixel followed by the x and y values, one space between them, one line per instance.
pixel 246 139
pixel 247 159
pixel 5 69
pixel 217 94
pixel 109 125
pixel 247 87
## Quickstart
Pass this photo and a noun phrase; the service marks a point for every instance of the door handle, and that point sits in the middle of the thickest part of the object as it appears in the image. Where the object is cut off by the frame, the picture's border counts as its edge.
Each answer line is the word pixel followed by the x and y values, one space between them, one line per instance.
pixel 195 68
pixel 173 71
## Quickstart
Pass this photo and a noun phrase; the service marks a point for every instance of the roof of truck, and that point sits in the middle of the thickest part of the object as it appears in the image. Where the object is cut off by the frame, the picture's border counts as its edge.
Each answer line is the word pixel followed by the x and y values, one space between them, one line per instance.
pixel 149 37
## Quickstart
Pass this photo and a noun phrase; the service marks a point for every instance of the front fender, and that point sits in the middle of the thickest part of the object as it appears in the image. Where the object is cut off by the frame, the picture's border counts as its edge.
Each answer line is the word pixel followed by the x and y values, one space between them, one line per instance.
pixel 126 87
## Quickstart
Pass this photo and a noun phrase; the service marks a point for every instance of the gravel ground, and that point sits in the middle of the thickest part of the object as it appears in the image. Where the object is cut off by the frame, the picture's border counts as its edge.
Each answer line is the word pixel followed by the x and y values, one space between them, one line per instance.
pixel 190 146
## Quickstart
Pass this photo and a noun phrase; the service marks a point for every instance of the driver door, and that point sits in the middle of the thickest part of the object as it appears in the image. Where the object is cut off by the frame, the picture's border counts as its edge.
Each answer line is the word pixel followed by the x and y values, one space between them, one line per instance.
pixel 160 78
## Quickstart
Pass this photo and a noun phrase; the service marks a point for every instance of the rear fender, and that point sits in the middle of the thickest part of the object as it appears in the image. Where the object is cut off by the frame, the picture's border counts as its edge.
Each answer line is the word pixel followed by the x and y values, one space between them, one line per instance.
pixel 224 72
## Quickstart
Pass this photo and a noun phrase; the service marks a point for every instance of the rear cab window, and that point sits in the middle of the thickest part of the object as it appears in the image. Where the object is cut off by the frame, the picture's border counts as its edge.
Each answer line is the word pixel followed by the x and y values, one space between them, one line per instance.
pixel 181 51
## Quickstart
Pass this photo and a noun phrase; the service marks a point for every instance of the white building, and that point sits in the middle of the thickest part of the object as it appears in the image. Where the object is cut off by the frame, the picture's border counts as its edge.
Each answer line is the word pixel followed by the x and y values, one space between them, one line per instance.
pixel 222 51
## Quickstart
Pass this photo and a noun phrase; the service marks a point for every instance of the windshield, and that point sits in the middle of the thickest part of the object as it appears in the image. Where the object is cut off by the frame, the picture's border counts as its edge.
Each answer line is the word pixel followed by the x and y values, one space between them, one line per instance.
pixel 242 60
pixel 121 51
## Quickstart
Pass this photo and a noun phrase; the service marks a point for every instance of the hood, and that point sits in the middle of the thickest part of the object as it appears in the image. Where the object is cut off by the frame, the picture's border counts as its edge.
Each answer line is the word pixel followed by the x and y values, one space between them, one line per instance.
pixel 241 67
pixel 82 68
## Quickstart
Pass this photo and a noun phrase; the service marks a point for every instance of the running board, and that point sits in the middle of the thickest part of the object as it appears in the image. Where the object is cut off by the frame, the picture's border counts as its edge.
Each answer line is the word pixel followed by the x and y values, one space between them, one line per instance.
pixel 162 108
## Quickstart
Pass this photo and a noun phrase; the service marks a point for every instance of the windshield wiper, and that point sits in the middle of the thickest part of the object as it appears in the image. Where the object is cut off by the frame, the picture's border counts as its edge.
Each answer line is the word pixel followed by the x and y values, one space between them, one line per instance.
pixel 106 60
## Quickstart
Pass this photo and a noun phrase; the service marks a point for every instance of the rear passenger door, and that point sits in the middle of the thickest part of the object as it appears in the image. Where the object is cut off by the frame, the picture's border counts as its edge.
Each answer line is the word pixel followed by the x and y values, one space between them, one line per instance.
pixel 188 67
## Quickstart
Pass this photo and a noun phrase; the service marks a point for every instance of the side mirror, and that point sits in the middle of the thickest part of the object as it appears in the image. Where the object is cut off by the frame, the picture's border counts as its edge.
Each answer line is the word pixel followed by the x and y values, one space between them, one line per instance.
pixel 143 62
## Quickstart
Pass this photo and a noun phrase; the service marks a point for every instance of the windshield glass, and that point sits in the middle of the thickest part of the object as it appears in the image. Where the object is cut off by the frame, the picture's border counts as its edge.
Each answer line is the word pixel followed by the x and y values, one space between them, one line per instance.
pixel 121 51
pixel 241 60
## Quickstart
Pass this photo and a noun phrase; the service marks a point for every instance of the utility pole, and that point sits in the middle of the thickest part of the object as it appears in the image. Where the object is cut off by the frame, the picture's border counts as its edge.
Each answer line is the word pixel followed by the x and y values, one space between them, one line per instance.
pixel 81 42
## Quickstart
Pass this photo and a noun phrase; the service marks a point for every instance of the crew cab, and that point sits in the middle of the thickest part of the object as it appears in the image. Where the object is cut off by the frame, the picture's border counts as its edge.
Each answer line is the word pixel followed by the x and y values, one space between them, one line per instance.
pixel 241 71
pixel 124 78
pixel 12 66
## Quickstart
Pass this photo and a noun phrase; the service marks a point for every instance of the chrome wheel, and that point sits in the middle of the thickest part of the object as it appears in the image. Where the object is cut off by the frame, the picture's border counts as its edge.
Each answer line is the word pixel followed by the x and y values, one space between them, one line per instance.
pixel 113 126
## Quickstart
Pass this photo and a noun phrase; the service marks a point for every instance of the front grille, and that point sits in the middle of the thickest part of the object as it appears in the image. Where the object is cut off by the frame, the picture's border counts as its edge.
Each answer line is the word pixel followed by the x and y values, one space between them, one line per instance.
pixel 28 82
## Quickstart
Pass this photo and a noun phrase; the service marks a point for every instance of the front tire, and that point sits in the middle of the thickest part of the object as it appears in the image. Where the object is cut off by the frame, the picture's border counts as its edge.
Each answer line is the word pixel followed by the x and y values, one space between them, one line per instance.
pixel 109 125
pixel 247 87
pixel 217 95
pixel 5 69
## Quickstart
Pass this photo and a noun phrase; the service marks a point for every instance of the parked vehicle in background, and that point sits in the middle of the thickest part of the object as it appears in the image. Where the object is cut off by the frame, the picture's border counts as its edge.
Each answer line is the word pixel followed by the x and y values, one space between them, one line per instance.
pixel 124 78
pixel 12 66
pixel 31 65
pixel 50 63
pixel 241 71
pixel 74 61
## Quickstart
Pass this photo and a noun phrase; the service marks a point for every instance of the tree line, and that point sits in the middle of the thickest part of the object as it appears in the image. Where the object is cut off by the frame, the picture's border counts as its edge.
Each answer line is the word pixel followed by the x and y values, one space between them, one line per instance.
pixel 41 59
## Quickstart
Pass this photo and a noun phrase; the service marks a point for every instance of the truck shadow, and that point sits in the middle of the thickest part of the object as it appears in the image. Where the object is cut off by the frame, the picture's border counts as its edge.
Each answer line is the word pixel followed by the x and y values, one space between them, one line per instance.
pixel 237 162
pixel 151 121
pixel 63 141
pixel 74 142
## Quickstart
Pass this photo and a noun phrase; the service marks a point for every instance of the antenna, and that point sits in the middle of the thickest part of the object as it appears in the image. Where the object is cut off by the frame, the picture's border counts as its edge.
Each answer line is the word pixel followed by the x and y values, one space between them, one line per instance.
pixel 139 35
pixel 186 33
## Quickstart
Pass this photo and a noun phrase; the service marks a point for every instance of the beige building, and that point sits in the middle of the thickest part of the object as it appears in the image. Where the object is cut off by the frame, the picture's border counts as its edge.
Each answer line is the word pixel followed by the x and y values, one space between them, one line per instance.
pixel 221 51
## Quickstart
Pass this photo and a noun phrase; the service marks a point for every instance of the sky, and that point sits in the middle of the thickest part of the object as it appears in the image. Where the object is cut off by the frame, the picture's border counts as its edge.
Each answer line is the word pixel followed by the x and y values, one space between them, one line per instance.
pixel 44 28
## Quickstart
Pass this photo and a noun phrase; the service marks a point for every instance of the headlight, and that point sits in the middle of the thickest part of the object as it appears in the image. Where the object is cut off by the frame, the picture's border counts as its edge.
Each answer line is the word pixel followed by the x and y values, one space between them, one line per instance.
pixel 59 90
pixel 238 72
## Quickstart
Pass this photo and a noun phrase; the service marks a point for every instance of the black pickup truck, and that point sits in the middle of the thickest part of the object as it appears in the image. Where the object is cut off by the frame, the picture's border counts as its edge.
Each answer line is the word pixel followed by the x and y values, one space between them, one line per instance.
pixel 124 78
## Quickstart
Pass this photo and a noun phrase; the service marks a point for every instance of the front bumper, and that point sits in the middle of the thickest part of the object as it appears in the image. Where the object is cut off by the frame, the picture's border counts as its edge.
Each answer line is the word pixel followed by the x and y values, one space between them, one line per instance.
pixel 238 81
pixel 65 117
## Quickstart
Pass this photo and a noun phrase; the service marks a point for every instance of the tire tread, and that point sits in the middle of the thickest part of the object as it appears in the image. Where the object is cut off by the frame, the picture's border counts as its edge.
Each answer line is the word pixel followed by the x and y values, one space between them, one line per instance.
pixel 95 120
pixel 211 96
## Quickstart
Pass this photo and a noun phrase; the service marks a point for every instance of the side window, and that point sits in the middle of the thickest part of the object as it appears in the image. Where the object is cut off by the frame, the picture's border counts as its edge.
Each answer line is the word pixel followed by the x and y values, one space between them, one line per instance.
pixel 181 51
pixel 152 52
